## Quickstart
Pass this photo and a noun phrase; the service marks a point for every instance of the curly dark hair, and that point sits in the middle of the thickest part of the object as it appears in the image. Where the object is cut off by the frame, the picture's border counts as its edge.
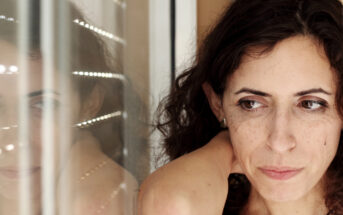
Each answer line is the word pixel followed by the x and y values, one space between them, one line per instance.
pixel 185 117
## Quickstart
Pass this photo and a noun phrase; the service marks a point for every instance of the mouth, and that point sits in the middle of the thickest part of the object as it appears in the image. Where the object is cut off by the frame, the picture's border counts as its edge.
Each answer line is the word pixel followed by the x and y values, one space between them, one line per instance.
pixel 17 173
pixel 280 173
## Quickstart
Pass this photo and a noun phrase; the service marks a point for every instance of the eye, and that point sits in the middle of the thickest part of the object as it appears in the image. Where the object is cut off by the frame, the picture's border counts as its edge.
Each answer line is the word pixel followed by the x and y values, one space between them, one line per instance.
pixel 249 105
pixel 40 105
pixel 37 105
pixel 313 105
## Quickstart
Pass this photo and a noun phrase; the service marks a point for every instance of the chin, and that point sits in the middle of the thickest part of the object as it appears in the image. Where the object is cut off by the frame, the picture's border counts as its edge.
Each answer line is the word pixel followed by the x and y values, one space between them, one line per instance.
pixel 283 194
pixel 10 189
pixel 10 192
pixel 13 193
pixel 282 197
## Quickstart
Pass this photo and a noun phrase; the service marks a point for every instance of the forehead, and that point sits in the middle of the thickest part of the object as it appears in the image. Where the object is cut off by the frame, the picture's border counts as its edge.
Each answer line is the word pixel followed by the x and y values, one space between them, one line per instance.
pixel 293 64
pixel 9 56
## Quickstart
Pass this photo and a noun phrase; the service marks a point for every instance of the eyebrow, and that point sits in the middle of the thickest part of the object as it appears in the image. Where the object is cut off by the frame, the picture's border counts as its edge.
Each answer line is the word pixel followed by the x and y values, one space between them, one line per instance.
pixel 301 93
pixel 41 92
pixel 252 91
pixel 314 90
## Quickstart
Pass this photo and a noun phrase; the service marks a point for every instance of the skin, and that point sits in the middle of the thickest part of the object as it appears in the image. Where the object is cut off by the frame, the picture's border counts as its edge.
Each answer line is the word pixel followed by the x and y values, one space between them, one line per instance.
pixel 195 183
pixel 279 130
pixel 284 130
pixel 9 116
pixel 80 156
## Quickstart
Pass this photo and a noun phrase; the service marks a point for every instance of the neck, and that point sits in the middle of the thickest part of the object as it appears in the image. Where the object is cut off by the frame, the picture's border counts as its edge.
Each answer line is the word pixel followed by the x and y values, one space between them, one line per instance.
pixel 313 203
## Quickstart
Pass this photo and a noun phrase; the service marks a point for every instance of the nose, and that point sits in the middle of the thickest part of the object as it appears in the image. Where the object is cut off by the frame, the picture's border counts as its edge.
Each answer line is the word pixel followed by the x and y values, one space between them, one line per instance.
pixel 280 137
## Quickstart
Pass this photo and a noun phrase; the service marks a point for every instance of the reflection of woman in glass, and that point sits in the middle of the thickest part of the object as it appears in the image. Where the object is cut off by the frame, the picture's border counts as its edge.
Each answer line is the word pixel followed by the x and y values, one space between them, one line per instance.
pixel 98 185
pixel 271 73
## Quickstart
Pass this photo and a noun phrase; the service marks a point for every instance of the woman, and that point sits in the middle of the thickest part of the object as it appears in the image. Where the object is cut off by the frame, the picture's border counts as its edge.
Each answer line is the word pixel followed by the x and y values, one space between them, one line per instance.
pixel 271 74
pixel 84 180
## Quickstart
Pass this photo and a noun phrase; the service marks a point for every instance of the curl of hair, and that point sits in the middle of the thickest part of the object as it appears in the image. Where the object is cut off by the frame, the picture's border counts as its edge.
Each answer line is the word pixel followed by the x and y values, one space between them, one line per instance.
pixel 185 118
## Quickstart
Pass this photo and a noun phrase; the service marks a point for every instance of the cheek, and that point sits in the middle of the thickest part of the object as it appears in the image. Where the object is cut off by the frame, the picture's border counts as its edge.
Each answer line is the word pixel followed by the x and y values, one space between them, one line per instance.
pixel 74 107
pixel 316 141
pixel 327 149
pixel 36 134
pixel 247 137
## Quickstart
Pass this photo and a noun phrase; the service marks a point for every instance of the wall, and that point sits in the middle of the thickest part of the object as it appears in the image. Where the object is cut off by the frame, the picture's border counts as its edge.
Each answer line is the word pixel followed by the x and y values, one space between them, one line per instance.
pixel 208 13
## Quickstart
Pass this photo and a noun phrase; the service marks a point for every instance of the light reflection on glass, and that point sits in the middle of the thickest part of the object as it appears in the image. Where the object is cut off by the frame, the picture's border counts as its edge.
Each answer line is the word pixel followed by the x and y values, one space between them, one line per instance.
pixel 9 147
pixel 9 127
pixel 100 75
pixel 114 193
pixel 99 119
pixel 13 68
pixel 9 19
pixel 100 31
pixel 84 133
pixel 2 68
pixel 10 70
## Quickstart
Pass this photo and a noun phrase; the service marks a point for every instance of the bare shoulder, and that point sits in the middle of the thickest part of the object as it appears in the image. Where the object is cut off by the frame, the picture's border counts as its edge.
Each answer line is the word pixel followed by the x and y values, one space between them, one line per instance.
pixel 99 184
pixel 112 190
pixel 192 184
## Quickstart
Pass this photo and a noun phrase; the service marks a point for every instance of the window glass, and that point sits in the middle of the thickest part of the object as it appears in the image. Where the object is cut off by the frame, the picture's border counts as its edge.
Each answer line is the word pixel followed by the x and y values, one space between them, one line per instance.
pixel 73 128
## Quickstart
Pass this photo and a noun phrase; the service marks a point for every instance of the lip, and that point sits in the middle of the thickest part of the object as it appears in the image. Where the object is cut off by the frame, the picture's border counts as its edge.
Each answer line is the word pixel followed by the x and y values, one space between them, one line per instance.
pixel 17 173
pixel 280 173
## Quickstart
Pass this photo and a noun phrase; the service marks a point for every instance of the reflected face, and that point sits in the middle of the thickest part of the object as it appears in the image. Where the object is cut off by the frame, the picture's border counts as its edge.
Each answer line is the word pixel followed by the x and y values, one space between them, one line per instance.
pixel 10 144
pixel 282 118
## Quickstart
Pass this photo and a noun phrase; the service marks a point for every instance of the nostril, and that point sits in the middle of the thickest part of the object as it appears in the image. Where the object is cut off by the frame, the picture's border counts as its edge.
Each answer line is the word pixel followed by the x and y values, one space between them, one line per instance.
pixel 286 144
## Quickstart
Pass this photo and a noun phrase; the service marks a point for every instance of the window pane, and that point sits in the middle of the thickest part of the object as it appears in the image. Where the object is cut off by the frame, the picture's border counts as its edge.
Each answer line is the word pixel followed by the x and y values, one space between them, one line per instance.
pixel 73 127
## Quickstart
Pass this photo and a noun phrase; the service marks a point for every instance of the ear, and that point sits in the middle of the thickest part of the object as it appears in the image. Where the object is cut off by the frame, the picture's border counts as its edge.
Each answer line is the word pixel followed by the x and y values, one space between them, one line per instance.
pixel 93 103
pixel 214 101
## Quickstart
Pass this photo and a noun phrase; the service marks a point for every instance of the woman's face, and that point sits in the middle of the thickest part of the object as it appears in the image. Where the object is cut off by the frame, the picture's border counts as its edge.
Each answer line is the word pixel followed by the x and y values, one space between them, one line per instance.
pixel 11 146
pixel 282 118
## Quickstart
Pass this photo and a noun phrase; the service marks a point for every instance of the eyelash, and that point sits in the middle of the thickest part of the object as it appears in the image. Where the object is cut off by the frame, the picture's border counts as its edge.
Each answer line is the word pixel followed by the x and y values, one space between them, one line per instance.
pixel 245 101
pixel 39 105
pixel 323 105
